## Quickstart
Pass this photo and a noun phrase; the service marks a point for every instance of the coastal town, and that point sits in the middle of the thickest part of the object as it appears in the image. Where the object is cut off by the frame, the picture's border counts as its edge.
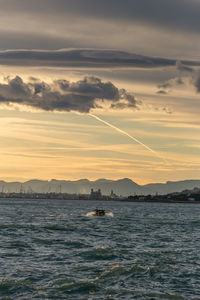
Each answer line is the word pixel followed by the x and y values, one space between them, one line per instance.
pixel 186 196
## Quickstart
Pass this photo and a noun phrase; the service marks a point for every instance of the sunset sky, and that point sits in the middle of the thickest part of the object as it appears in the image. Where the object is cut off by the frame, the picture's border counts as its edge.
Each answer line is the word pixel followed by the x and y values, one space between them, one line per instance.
pixel 100 89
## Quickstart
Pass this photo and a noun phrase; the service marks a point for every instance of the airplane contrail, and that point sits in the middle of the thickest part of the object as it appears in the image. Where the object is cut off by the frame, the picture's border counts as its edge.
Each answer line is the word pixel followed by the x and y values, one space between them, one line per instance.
pixel 130 136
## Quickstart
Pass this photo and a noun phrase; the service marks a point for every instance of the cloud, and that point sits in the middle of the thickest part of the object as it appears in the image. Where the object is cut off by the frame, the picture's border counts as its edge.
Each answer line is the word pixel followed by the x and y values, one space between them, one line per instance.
pixel 181 15
pixel 87 58
pixel 183 68
pixel 150 27
pixel 62 95
pixel 196 81
pixel 162 92
pixel 193 75
pixel 167 85
pixel 186 75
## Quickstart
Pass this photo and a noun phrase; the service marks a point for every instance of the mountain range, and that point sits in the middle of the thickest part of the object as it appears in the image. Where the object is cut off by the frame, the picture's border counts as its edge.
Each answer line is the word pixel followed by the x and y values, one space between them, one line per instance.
pixel 124 187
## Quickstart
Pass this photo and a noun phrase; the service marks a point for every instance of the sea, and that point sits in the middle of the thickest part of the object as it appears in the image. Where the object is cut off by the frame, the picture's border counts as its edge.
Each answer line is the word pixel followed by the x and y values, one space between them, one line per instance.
pixel 57 249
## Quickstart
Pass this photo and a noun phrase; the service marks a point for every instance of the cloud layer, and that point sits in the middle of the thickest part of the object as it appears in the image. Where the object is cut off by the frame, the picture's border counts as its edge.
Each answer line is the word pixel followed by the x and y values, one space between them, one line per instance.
pixel 61 95
pixel 149 27
pixel 86 58
pixel 182 15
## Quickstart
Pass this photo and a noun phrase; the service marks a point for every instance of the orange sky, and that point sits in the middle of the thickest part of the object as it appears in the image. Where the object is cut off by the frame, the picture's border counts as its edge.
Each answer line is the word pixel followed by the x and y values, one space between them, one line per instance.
pixel 143 71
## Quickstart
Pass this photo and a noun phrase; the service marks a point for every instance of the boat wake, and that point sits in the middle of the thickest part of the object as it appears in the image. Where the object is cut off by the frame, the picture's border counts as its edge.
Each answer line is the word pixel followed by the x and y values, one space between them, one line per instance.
pixel 110 214
pixel 90 214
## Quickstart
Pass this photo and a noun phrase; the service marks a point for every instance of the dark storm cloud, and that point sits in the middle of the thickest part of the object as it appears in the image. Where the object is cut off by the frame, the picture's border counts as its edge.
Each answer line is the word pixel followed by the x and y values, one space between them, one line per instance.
pixel 61 95
pixel 176 14
pixel 84 58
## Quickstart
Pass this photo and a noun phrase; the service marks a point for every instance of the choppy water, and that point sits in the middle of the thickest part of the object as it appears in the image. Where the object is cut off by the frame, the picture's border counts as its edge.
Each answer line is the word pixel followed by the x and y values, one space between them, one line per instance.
pixel 52 250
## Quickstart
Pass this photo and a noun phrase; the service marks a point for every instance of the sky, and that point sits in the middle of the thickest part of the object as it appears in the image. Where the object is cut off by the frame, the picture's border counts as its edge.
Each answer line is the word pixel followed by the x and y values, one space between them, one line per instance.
pixel 100 89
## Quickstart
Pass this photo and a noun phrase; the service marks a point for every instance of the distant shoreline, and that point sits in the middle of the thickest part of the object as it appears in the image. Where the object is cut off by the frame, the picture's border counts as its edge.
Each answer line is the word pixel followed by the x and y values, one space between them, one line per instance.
pixel 104 200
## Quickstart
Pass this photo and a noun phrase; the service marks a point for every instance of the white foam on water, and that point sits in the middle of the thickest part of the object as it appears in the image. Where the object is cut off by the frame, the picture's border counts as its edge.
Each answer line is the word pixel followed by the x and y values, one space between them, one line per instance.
pixel 90 214
pixel 110 214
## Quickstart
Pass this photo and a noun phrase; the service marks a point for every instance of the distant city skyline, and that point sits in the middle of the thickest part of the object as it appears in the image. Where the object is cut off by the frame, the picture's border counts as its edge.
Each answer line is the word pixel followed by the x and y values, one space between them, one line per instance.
pixel 100 89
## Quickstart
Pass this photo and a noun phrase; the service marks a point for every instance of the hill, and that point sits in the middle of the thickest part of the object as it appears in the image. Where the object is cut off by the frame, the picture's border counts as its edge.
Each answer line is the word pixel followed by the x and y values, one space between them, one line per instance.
pixel 124 187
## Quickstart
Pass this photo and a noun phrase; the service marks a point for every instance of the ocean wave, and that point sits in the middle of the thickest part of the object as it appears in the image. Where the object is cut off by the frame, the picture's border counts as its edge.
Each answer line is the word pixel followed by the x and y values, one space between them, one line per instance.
pixel 58 227
pixel 11 285
pixel 71 256
pixel 99 254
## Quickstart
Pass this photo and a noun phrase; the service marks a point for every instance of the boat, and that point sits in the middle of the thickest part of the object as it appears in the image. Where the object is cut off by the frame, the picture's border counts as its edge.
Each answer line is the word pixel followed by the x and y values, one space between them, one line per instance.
pixel 99 212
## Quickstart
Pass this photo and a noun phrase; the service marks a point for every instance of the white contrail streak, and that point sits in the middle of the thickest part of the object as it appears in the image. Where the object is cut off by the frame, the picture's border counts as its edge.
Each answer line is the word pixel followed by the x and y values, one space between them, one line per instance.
pixel 130 136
